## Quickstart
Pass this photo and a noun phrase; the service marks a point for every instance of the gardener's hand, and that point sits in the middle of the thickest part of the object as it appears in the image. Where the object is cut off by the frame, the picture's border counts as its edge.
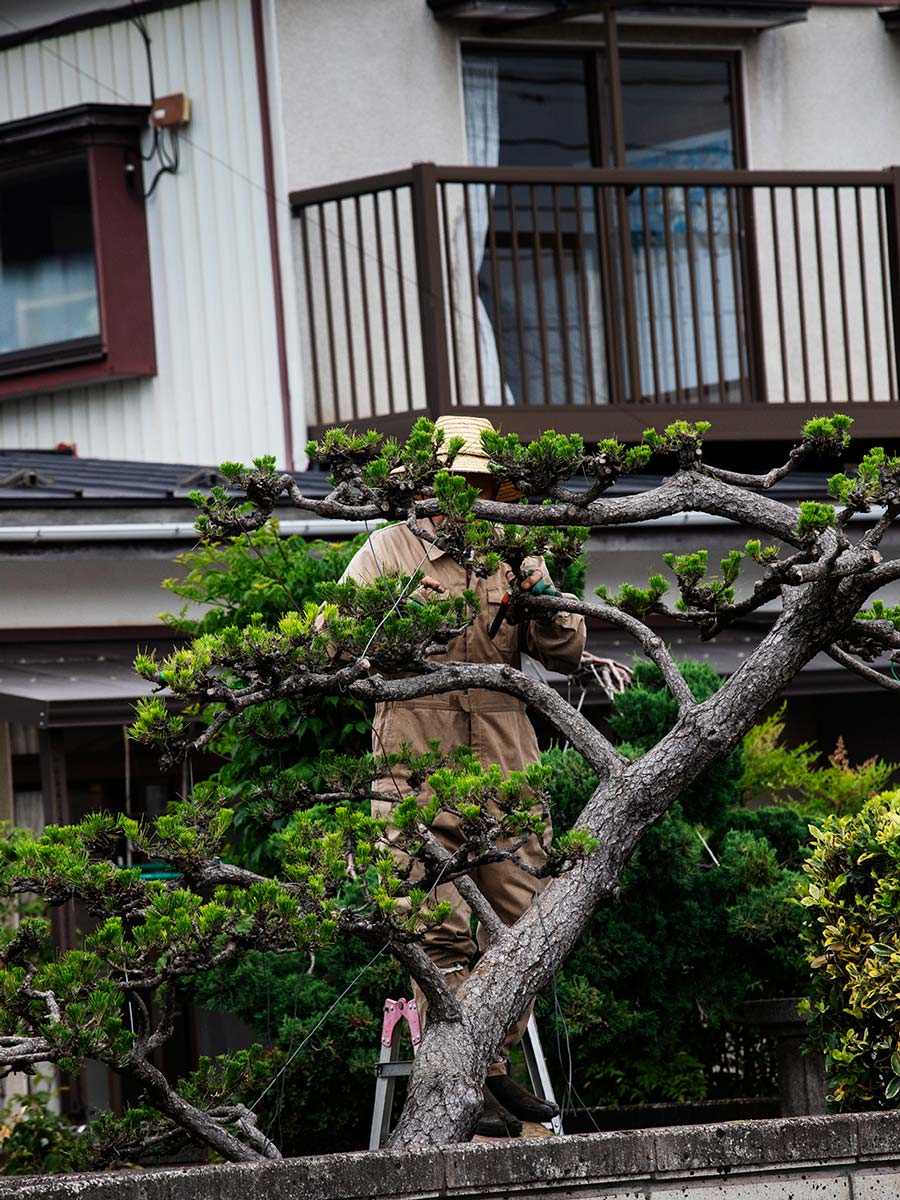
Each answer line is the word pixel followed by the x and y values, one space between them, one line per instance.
pixel 530 579
pixel 613 677
pixel 428 586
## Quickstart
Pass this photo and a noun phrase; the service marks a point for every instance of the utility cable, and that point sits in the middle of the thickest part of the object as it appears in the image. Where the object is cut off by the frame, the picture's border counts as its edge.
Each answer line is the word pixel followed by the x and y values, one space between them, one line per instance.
pixel 260 187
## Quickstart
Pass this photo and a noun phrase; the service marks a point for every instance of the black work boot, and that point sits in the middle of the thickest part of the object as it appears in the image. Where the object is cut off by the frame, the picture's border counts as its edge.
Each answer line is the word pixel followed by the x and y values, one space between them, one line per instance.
pixel 519 1101
pixel 495 1121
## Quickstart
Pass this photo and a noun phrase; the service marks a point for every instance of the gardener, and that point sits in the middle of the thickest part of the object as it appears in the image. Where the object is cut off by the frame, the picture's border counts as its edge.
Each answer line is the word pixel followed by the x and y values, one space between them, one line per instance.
pixel 493 724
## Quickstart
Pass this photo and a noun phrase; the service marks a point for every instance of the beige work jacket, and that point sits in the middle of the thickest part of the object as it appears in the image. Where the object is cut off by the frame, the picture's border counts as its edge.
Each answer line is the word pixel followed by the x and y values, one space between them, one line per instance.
pixel 493 724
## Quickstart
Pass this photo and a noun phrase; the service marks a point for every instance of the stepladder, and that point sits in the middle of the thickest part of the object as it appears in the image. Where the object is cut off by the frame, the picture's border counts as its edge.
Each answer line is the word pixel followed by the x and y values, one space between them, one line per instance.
pixel 390 1067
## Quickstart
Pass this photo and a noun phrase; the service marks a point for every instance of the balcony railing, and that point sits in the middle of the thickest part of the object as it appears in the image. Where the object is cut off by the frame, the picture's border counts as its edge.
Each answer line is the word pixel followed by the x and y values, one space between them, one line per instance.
pixel 600 301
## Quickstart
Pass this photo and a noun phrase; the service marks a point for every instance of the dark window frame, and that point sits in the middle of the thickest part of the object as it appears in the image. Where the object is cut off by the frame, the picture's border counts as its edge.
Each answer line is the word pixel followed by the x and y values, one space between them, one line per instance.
pixel 602 109
pixel 601 61
pixel 107 138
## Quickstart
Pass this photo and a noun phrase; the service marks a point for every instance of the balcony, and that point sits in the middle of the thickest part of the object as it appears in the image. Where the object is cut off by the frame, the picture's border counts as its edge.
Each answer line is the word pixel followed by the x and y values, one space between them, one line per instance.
pixel 600 301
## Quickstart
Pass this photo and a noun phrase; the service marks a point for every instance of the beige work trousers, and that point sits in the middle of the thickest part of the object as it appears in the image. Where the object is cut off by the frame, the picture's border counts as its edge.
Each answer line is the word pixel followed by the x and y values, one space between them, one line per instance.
pixel 450 945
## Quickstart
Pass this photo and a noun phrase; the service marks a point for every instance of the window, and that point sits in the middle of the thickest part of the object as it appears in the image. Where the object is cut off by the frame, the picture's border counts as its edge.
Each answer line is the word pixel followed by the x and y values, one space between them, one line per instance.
pixel 75 302
pixel 550 287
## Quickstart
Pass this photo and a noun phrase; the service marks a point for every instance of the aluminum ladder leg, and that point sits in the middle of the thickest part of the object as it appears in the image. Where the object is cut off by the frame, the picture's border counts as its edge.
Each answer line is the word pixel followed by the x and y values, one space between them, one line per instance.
pixel 537 1070
pixel 390 1067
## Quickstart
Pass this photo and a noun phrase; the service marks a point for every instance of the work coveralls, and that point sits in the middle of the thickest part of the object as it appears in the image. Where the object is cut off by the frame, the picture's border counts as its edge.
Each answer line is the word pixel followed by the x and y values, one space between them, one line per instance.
pixel 494 725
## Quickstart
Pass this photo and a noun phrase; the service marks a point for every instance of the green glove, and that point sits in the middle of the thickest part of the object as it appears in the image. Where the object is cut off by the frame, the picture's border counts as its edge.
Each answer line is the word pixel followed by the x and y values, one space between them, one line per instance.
pixel 543 588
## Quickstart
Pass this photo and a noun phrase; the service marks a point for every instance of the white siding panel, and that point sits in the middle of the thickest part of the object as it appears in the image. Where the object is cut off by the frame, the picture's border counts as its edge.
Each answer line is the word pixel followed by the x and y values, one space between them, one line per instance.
pixel 217 394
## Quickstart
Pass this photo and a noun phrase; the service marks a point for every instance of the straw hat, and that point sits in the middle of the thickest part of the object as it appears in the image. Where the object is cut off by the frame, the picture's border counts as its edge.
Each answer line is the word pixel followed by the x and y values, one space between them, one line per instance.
pixel 471 459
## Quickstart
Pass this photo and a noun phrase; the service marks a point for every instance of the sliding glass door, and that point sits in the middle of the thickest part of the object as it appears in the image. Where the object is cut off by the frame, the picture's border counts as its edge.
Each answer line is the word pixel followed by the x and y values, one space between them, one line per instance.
pixel 561 271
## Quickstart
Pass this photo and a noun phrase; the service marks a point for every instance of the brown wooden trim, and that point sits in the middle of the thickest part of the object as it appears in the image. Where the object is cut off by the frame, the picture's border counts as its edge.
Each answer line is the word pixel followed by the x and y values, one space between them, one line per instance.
pixel 108 137
pixel 349 188
pixel 77 350
pixel 729 423
pixel 75 24
pixel 429 275
pixel 90 633
pixel 643 177
pixel 123 261
pixel 259 46
pixel 72 127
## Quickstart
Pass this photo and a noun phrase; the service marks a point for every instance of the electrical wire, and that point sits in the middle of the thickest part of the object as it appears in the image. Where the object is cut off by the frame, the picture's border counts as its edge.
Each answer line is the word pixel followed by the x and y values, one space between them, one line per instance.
pixel 347 242
pixel 168 159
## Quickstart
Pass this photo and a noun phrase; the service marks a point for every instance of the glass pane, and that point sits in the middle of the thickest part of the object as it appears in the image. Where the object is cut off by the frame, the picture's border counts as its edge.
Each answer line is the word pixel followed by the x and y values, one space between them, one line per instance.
pixel 677 114
pixel 535 296
pixel 543 111
pixel 48 283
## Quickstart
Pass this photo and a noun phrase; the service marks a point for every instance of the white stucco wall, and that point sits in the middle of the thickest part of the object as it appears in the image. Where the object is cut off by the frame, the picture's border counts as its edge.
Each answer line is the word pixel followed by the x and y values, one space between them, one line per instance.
pixel 368 86
pixel 824 94
pixel 90 590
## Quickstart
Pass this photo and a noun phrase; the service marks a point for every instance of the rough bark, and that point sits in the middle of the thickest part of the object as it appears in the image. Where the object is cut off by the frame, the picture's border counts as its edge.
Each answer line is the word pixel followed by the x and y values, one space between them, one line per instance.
pixel 445 1093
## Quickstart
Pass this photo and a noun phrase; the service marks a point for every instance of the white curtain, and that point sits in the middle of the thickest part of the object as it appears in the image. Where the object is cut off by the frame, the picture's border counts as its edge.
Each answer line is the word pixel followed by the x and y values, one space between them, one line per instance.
pixel 671 283
pixel 480 93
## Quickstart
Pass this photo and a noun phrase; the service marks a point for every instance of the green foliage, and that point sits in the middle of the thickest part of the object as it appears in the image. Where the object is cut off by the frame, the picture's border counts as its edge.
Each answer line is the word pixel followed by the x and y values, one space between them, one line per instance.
pixel 763 555
pixel 779 774
pixel 541 466
pixel 34 1138
pixel 852 904
pixel 881 612
pixel 323 1102
pixel 698 592
pixel 814 518
pixel 637 602
pixel 260 572
pixel 828 435
pixel 877 482
pixel 677 436
pixel 651 993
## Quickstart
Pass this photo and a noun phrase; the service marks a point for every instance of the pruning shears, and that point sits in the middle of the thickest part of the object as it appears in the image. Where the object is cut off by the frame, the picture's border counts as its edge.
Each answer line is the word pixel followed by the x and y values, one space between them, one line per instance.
pixel 542 588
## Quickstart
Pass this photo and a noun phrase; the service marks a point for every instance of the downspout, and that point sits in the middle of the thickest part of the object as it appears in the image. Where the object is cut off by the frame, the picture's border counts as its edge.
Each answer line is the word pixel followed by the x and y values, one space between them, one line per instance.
pixel 272 213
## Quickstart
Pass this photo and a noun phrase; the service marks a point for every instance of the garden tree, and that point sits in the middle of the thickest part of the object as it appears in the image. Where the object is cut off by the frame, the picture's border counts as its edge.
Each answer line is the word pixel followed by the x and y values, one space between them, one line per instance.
pixel 377 642
pixel 651 995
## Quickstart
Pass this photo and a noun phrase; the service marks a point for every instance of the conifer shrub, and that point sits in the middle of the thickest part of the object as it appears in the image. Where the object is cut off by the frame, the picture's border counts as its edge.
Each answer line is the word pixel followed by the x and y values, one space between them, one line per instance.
pixel 649 999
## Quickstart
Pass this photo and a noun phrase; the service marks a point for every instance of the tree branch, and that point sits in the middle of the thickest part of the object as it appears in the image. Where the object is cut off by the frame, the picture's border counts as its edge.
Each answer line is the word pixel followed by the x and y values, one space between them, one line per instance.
pixel 199 1124
pixel 687 491
pixel 464 884
pixel 873 536
pixel 797 455
pixel 498 677
pixel 651 643
pixel 885 573
pixel 872 674
pixel 442 1003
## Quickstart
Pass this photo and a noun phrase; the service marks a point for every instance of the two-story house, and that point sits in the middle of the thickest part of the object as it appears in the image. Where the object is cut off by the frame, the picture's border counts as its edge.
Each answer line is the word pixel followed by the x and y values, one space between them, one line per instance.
pixel 228 224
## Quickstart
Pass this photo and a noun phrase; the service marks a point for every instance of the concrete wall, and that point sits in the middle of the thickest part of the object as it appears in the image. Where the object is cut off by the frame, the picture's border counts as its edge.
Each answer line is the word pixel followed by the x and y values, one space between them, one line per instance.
pixel 802 1158
pixel 370 87
pixel 366 87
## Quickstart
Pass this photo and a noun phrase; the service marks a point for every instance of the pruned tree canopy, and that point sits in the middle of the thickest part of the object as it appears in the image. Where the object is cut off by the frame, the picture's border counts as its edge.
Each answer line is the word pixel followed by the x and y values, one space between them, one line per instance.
pixel 113 1000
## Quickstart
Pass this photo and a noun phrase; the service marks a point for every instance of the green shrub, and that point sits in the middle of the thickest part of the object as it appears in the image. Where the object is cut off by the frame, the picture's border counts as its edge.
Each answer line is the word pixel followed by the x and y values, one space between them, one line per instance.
pixel 650 994
pixel 852 933
pixel 34 1139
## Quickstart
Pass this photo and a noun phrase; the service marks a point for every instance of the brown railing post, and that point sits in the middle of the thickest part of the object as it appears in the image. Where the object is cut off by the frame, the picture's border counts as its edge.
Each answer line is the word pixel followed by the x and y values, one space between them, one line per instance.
pixel 892 212
pixel 430 287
